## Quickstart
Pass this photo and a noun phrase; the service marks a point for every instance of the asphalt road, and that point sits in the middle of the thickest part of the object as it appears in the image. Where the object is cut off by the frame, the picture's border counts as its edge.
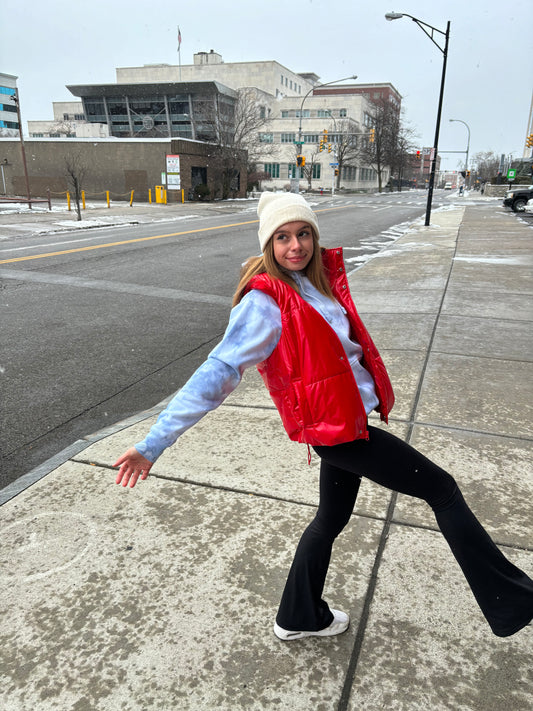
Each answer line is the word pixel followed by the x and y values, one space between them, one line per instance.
pixel 91 337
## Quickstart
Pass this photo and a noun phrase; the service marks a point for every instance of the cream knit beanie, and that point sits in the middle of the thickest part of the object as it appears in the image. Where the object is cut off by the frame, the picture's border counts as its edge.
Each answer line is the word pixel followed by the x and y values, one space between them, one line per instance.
pixel 276 209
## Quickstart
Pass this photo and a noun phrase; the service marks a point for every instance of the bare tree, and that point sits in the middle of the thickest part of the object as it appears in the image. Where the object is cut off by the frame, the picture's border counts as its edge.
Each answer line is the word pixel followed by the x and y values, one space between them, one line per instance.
pixel 239 138
pixel 380 146
pixel 402 149
pixel 486 165
pixel 76 172
pixel 62 128
pixel 346 144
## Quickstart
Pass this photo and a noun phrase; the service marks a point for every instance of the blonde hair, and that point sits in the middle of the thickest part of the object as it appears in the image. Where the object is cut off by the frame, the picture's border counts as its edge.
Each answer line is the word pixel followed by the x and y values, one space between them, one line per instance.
pixel 266 264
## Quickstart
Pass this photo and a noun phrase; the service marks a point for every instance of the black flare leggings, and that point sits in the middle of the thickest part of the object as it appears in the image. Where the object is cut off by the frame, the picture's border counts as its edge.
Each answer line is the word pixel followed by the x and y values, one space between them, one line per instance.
pixel 503 592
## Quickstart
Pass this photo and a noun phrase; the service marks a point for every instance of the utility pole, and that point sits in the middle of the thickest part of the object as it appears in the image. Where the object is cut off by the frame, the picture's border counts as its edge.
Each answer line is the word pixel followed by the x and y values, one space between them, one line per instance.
pixel 17 103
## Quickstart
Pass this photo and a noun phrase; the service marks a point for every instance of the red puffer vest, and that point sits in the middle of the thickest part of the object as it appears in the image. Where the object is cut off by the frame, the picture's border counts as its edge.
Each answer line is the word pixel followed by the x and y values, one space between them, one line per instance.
pixel 308 374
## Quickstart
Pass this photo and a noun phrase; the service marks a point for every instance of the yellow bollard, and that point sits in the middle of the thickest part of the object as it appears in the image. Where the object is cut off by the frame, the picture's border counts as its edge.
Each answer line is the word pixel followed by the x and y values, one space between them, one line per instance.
pixel 68 201
pixel 165 196
pixel 107 198
pixel 150 195
pixel 83 199
pixel 182 196
pixel 131 197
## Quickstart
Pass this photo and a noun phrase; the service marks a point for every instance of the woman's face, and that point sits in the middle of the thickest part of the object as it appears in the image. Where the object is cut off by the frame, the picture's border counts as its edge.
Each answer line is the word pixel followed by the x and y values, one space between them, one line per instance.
pixel 293 245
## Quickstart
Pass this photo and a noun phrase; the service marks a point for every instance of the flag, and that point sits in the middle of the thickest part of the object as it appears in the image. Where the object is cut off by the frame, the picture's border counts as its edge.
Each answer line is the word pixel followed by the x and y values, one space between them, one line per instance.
pixel 179 38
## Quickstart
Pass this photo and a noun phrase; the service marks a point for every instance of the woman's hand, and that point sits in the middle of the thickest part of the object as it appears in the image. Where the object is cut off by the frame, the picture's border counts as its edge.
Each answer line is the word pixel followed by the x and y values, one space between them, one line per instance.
pixel 132 465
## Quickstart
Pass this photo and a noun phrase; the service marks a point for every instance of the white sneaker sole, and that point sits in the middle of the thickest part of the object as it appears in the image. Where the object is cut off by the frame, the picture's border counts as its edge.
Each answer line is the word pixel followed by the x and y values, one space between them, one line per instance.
pixel 341 622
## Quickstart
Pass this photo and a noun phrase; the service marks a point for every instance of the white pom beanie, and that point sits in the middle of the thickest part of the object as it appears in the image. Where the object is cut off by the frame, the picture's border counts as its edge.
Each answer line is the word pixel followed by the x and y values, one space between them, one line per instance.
pixel 276 209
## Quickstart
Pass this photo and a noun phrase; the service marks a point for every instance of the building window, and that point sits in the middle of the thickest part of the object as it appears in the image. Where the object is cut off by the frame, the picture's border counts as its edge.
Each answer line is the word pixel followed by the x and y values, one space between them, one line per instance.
pixel 311 138
pixel 349 172
pixel 37 135
pixel 304 114
pixel 266 138
pixel 282 80
pixel 65 117
pixel 284 114
pixel 343 113
pixel 7 90
pixel 288 137
pixel 8 108
pixel 368 120
pixel 367 174
pixel 79 117
pixel 292 171
pixel 272 169
pixel 323 113
pixel 316 170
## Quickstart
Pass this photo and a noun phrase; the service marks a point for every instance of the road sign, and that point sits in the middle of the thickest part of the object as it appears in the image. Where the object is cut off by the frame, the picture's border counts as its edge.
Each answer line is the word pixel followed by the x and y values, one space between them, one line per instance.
pixel 511 174
pixel 334 165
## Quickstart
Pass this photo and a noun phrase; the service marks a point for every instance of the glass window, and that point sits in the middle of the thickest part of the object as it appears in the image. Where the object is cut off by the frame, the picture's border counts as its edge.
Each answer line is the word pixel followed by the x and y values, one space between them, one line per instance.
pixel 266 137
pixel 343 113
pixel 284 114
pixel 304 114
pixel 311 138
pixel 292 171
pixel 7 90
pixel 272 169
pixel 349 172
pixel 288 137
pixel 316 170
pixel 95 110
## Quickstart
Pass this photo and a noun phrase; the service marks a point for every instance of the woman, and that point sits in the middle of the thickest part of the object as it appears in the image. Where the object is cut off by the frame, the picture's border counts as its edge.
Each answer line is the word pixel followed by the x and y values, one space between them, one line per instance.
pixel 294 318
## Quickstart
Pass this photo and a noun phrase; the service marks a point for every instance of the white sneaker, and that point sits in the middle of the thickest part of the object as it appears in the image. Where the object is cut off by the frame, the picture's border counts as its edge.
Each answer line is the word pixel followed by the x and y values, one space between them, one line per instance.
pixel 341 622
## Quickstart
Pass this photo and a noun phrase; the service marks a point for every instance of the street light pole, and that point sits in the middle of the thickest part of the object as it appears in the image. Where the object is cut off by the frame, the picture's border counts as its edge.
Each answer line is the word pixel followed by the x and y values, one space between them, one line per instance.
pixel 318 86
pixel 467 147
pixel 429 30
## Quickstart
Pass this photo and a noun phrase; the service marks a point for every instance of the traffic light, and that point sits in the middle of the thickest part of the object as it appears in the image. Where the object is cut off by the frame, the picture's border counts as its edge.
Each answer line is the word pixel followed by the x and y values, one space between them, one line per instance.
pixel 467 173
pixel 372 135
pixel 329 147
pixel 336 171
pixel 418 155
pixel 529 140
pixel 300 161
pixel 321 146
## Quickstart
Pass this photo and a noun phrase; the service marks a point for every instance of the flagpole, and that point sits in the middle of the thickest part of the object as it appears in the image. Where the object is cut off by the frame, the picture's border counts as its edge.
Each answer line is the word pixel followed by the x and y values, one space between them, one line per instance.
pixel 179 49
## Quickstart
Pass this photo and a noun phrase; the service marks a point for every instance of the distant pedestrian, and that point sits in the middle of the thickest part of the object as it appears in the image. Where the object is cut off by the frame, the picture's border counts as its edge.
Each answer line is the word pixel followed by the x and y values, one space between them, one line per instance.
pixel 461 189
pixel 294 318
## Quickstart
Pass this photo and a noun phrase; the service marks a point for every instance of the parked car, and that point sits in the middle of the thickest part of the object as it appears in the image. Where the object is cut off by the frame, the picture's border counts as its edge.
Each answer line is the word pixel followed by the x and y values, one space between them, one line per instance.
pixel 448 186
pixel 518 199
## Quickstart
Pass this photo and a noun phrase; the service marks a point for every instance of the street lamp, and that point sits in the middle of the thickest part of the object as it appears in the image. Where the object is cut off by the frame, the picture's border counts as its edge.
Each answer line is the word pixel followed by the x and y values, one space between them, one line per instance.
pixel 429 30
pixel 318 86
pixel 467 146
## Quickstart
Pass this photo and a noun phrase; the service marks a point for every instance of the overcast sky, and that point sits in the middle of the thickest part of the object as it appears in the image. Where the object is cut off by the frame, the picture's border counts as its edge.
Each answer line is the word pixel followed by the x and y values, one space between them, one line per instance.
pixel 489 80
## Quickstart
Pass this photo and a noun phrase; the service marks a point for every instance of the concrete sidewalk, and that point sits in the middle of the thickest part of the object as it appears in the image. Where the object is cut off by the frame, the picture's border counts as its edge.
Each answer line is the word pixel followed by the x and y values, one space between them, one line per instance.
pixel 163 597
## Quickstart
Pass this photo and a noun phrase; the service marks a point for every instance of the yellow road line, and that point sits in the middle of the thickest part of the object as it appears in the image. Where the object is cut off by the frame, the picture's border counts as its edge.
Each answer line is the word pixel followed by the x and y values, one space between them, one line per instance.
pixel 139 239
pixel 116 244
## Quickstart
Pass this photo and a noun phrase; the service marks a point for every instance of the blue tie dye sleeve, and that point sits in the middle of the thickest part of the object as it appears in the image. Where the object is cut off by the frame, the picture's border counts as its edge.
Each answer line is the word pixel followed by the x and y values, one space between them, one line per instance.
pixel 252 334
